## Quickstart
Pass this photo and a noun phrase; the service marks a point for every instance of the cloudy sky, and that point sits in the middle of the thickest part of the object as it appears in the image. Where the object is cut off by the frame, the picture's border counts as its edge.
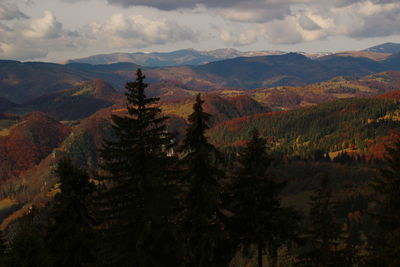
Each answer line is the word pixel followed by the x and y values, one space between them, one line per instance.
pixel 56 30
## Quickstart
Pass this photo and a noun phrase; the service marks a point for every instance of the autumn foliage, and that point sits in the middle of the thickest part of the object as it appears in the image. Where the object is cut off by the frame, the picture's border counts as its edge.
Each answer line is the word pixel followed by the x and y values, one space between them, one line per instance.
pixel 31 140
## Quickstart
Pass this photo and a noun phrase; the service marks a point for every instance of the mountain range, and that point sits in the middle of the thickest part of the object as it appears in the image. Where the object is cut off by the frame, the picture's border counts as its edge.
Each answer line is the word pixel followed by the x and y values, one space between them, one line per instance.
pixel 23 82
pixel 175 58
pixel 195 57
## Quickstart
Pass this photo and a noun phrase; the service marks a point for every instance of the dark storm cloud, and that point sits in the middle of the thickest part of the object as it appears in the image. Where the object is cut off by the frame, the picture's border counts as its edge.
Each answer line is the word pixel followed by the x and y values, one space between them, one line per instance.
pixel 177 4
pixel 247 4
pixel 380 25
pixel 307 24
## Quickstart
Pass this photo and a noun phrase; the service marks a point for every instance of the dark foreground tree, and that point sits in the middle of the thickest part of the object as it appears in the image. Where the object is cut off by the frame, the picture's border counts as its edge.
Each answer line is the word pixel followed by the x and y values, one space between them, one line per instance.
pixel 324 231
pixel 27 247
pixel 385 240
pixel 135 206
pixel 3 249
pixel 202 220
pixel 258 219
pixel 71 237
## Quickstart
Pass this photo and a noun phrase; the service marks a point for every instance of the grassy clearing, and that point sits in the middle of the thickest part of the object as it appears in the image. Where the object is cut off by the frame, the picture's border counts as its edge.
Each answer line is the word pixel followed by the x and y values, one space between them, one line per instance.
pixel 4 132
pixel 7 203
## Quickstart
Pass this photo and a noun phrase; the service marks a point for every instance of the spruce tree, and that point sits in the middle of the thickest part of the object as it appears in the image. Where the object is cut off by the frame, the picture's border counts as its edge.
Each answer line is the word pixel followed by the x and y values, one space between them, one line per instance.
pixel 3 249
pixel 324 230
pixel 27 247
pixel 384 242
pixel 349 252
pixel 258 220
pixel 135 205
pixel 201 219
pixel 71 237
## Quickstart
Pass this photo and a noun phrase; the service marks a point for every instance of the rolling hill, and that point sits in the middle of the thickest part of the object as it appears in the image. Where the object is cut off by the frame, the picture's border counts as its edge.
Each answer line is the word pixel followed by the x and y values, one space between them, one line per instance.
pixel 292 97
pixel 332 126
pixel 76 103
pixel 28 142
pixel 222 108
pixel 22 82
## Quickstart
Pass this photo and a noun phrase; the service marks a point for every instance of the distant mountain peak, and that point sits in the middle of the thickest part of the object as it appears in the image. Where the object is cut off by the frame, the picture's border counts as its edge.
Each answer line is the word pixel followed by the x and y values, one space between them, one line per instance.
pixel 389 48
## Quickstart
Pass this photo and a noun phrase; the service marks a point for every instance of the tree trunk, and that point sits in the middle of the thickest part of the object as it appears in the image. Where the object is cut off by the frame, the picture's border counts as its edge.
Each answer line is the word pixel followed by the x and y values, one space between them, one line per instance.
pixel 260 256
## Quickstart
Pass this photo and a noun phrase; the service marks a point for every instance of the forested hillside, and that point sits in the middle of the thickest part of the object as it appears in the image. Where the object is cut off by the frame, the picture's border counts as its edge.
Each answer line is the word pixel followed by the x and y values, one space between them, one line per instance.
pixel 216 175
pixel 332 126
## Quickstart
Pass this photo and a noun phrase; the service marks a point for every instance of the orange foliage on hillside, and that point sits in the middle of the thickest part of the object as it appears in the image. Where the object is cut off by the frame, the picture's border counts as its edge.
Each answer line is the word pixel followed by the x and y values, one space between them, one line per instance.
pixel 377 148
pixel 383 82
pixel 391 95
pixel 30 141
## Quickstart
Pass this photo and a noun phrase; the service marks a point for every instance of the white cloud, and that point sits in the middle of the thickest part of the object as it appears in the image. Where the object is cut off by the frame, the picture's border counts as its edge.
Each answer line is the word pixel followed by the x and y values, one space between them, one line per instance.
pixel 173 24
pixel 369 19
pixel 356 19
pixel 240 38
pixel 254 15
pixel 45 27
pixel 283 31
pixel 306 20
pixel 44 36
pixel 138 31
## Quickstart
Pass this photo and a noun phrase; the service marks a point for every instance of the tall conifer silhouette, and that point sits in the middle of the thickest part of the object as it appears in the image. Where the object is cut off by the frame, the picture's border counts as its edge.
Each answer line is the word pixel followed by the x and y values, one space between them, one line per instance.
pixel 324 231
pixel 258 219
pixel 202 222
pixel 135 205
pixel 385 240
pixel 71 234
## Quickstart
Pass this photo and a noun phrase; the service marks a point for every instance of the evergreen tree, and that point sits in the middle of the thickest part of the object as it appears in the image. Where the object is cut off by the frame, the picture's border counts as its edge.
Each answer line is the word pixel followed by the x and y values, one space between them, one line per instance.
pixel 3 249
pixel 202 220
pixel 351 240
pixel 319 155
pixel 324 231
pixel 71 237
pixel 27 247
pixel 258 220
pixel 135 206
pixel 385 240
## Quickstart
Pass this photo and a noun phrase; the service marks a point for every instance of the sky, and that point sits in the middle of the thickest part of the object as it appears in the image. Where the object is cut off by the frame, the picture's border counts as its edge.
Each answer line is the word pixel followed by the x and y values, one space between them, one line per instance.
pixel 57 30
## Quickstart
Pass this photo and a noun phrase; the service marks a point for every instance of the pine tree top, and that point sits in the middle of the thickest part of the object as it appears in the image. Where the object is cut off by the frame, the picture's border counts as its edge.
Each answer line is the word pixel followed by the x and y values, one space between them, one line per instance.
pixel 195 134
